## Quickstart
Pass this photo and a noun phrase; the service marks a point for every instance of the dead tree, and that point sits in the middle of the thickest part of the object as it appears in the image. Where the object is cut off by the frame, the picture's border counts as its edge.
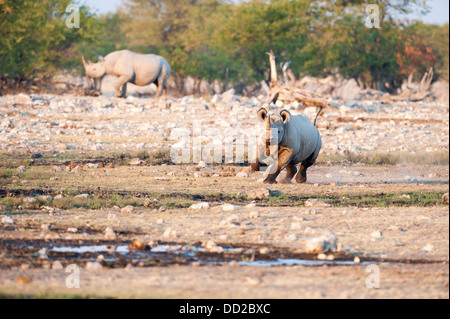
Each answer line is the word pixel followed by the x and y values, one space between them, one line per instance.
pixel 287 92
pixel 419 94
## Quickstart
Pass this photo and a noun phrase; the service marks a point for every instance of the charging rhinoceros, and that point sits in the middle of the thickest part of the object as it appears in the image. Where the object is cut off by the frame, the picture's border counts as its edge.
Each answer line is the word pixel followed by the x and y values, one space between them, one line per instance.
pixel 290 141
pixel 130 67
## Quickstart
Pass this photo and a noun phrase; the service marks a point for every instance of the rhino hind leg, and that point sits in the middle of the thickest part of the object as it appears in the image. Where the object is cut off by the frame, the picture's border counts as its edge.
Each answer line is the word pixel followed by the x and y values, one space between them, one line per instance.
pixel 302 176
pixel 291 171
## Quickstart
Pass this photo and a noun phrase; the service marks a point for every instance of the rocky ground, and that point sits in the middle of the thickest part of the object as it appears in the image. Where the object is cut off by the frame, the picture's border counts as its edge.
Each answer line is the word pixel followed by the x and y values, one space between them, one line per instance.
pixel 95 173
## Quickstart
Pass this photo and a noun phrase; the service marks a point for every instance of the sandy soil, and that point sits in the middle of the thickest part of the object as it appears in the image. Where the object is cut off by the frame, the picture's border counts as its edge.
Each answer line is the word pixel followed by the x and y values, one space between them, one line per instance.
pixel 389 216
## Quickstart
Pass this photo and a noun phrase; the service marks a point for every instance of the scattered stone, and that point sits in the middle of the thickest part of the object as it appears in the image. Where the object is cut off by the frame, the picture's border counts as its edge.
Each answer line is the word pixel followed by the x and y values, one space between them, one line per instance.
pixel 160 221
pixel 242 174
pixel 29 201
pixel 46 227
pixel 202 164
pixel 138 245
pixel 313 202
pixel 82 196
pixel 428 248
pixel 129 267
pixel 21 169
pixel 24 280
pixel 25 266
pixel 202 205
pixel 296 226
pixel 110 234
pixel 326 243
pixel 230 207
pixel 213 247
pixel 232 220
pixel 46 198
pixel 162 209
pixel 262 193
pixel 42 253
pixel 78 170
pixel 127 210
pixel 377 234
pixel 254 215
pixel 148 202
pixel 170 233
pixel 357 260
pixel 36 155
pixel 405 196
pixel 94 265
pixel 292 237
pixel 264 251
pixel 7 220
pixel 72 230
pixel 136 162
pixel 57 265
pixel 23 99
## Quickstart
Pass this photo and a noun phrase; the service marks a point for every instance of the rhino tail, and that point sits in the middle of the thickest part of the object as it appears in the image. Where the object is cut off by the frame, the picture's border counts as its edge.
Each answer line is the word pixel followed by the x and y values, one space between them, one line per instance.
pixel 317 116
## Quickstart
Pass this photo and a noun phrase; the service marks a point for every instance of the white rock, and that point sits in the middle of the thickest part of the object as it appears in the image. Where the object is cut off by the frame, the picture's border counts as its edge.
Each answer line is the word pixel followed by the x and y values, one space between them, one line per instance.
pixel 110 234
pixel 94 266
pixel 136 162
pixel 229 207
pixel 57 265
pixel 170 233
pixel 254 215
pixel 202 205
pixel 428 248
pixel 127 210
pixel 377 234
pixel 7 220
pixel 72 230
pixel 21 169
pixel 324 243
pixel 313 202
pixel 242 175
pixel 82 196
pixel 23 99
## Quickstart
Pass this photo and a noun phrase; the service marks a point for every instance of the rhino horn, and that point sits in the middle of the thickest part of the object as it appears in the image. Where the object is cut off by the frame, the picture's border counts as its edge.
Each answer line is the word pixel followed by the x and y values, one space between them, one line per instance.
pixel 84 61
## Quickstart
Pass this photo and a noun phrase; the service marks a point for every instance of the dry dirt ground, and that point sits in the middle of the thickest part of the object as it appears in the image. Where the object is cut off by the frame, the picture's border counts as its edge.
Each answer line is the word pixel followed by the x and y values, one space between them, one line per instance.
pixel 132 230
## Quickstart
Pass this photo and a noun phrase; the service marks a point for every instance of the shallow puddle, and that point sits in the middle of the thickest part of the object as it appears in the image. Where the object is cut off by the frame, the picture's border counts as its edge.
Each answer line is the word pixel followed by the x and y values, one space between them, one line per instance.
pixel 117 255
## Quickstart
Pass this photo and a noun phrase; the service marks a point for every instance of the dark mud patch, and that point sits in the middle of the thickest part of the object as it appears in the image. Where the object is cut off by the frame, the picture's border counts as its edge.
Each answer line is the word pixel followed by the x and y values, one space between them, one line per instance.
pixel 112 255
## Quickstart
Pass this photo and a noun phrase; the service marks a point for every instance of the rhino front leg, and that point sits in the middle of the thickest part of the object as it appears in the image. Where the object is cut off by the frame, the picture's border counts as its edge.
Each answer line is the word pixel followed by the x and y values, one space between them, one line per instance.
pixel 283 160
pixel 121 86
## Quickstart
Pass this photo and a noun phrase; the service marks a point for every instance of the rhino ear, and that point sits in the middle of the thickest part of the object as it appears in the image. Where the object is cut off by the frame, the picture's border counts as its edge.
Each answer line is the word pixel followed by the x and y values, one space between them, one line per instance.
pixel 285 116
pixel 262 114
pixel 100 58
pixel 84 61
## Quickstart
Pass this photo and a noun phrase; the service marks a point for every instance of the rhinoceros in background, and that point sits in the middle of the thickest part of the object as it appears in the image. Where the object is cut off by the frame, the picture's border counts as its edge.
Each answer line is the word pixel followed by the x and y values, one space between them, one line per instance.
pixel 131 67
pixel 291 141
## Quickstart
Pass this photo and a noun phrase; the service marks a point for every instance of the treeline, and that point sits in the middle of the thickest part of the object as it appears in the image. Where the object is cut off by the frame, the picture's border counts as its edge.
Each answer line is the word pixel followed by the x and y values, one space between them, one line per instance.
pixel 227 40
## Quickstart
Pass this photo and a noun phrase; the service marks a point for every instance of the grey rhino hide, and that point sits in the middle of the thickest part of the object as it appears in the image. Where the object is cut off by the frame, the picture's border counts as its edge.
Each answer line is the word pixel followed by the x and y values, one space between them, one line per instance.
pixel 295 136
pixel 130 67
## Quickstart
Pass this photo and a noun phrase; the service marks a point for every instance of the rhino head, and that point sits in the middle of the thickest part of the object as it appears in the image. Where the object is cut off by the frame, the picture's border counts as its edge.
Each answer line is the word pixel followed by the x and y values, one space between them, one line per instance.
pixel 275 126
pixel 95 70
